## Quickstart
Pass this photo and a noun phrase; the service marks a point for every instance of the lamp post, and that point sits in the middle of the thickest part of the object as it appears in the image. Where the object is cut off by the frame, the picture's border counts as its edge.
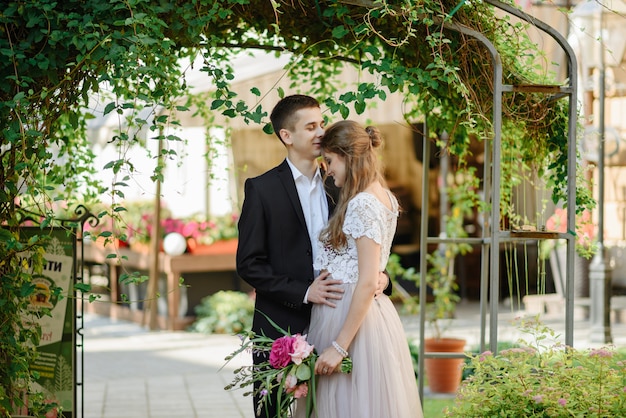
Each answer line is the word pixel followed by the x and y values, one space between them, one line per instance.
pixel 599 29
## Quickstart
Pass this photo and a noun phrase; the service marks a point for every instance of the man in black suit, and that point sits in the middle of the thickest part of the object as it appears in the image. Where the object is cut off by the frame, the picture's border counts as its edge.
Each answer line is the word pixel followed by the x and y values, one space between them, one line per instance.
pixel 276 234
pixel 283 213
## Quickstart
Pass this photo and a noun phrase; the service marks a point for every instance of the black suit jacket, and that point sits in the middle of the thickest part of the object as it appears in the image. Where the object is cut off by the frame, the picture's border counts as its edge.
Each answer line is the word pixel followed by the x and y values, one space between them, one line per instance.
pixel 274 254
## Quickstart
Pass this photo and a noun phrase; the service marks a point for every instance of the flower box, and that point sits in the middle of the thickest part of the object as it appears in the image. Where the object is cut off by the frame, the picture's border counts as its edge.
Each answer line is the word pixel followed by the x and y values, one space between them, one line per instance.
pixel 225 246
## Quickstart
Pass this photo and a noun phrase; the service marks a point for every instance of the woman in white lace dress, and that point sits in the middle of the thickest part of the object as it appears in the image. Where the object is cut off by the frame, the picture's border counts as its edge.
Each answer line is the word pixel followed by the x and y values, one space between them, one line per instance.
pixel 355 248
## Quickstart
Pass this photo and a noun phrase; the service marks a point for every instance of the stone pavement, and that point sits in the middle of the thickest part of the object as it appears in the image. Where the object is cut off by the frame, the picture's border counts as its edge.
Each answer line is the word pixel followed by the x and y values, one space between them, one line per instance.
pixel 130 372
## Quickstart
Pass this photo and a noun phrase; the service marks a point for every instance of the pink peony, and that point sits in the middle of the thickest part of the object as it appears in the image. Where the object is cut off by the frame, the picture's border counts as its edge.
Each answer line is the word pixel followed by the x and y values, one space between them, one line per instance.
pixel 281 350
pixel 301 349
pixel 301 391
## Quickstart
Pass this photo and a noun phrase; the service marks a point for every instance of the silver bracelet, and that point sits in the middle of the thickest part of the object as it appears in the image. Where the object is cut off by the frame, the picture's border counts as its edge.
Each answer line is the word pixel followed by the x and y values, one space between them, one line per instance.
pixel 340 349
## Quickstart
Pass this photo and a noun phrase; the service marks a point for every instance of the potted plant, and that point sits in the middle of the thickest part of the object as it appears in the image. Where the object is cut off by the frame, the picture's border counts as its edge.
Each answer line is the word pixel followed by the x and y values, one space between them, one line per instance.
pixel 444 374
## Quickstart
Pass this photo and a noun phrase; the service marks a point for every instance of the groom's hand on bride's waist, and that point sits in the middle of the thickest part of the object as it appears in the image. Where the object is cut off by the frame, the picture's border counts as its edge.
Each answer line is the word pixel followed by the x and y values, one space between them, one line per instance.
pixel 325 290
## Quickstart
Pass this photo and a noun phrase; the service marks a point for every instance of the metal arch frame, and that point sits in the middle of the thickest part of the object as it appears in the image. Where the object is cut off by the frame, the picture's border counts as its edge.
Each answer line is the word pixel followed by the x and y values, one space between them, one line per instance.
pixel 76 226
pixel 491 239
pixel 83 216
pixel 571 91
pixel 77 223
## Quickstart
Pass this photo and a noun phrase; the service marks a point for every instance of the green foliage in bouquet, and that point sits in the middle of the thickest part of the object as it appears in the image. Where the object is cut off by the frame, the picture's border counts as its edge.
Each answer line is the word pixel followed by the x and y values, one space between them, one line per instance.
pixel 543 378
pixel 224 312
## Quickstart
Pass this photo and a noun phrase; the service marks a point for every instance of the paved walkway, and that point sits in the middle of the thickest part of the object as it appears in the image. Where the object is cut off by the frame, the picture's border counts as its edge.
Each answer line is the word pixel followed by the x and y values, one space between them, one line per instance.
pixel 134 373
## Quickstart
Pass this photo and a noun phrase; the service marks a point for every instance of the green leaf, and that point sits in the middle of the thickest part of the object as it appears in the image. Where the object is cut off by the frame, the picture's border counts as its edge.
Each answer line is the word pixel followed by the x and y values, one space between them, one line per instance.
pixel 345 112
pixel 5 235
pixel 347 97
pixel 359 106
pixel 268 129
pixel 27 289
pixel 82 287
pixel 340 31
pixel 303 372
pixel 109 108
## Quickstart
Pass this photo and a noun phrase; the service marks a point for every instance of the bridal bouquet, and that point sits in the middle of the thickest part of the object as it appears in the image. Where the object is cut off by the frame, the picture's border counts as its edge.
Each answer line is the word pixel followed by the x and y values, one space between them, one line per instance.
pixel 290 371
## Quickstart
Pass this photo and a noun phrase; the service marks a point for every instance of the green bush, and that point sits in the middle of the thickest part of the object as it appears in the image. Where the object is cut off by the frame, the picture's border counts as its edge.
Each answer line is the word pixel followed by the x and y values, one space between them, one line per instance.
pixel 225 312
pixel 543 378
pixel 468 368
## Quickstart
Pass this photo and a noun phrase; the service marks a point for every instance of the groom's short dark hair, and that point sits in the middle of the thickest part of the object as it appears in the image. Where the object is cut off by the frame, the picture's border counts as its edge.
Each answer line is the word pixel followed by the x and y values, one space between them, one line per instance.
pixel 285 109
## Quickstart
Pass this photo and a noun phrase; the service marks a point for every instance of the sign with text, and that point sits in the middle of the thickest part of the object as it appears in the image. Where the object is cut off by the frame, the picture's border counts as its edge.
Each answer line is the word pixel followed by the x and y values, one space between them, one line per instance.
pixel 52 307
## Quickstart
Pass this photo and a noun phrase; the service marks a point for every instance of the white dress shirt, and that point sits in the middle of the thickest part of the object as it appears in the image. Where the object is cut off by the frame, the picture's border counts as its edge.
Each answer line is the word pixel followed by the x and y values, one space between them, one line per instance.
pixel 314 204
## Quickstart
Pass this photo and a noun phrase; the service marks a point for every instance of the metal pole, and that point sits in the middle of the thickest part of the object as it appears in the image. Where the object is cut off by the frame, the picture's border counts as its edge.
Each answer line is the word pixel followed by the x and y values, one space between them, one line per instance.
pixel 599 271
pixel 423 252
pixel 444 168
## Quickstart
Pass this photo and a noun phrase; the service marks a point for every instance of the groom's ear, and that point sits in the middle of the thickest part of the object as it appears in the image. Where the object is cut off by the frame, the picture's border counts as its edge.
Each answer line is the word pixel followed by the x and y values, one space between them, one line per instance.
pixel 285 136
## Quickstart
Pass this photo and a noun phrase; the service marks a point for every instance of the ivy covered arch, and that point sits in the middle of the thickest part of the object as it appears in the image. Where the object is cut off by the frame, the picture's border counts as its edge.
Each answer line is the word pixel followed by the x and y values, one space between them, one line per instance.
pixel 59 54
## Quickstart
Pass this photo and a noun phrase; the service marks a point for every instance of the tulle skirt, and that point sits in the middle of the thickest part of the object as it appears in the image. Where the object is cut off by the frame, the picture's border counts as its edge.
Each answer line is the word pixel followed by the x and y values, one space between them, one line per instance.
pixel 382 383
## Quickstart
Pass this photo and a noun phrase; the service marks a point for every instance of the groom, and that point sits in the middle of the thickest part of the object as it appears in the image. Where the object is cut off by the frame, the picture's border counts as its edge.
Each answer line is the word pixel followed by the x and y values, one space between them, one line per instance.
pixel 283 213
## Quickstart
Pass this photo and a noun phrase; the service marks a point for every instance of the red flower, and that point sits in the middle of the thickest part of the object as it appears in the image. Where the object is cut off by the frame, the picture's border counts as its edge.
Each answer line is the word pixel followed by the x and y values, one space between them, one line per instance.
pixel 280 355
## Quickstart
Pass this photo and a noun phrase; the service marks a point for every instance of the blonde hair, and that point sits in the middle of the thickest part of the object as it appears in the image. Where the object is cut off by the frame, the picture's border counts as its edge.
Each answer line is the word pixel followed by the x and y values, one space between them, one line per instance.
pixel 363 167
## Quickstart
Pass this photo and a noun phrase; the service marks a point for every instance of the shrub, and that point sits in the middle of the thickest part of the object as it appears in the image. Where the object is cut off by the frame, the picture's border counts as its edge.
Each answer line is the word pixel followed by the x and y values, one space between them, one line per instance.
pixel 543 378
pixel 225 312
pixel 468 368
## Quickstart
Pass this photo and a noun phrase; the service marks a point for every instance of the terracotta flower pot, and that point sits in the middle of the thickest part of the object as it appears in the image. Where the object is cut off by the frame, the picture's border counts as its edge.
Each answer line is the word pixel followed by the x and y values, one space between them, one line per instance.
pixel 444 374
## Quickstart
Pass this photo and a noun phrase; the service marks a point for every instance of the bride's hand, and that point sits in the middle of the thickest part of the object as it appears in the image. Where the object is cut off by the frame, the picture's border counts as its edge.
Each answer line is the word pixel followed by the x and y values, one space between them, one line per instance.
pixel 328 362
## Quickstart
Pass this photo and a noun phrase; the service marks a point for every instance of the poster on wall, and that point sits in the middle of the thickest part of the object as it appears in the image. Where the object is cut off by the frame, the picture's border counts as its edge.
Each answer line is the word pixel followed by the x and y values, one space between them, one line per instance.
pixel 51 306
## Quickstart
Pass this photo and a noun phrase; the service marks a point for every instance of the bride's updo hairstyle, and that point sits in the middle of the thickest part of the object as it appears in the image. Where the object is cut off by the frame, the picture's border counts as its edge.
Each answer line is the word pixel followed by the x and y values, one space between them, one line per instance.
pixel 357 145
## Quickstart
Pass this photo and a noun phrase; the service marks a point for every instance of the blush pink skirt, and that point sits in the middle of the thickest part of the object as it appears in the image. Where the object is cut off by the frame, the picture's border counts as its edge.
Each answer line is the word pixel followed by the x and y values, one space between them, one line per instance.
pixel 382 383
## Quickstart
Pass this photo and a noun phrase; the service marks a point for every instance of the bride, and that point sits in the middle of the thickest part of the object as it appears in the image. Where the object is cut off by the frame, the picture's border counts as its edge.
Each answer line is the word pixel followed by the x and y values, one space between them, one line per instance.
pixel 354 248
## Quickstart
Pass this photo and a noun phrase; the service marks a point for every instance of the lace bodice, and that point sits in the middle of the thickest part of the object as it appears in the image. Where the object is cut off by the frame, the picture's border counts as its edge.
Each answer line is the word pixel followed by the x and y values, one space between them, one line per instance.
pixel 365 216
